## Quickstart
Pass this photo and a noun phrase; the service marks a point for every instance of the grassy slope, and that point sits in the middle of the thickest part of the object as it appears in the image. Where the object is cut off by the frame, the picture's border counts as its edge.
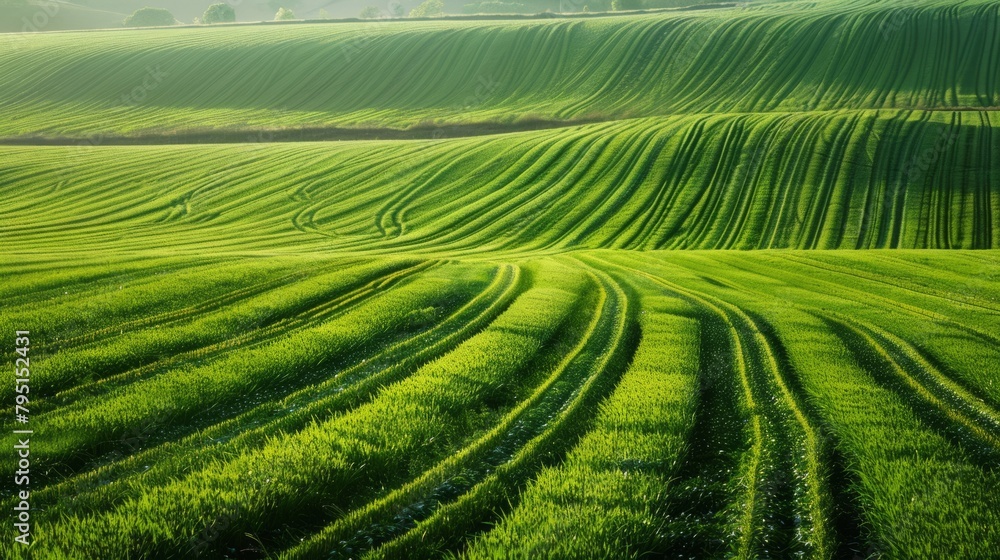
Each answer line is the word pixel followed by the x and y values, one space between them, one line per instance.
pixel 833 179
pixel 781 57
pixel 883 435
pixel 255 336
pixel 105 14
pixel 56 17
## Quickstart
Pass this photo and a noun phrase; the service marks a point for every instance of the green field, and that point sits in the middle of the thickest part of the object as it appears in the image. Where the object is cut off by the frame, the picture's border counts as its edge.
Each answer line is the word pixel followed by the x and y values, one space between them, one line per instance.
pixel 708 283
pixel 398 74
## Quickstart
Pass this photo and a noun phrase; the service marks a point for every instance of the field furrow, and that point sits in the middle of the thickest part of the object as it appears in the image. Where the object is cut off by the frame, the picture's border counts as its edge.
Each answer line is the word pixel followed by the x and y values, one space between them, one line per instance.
pixel 785 454
pixel 523 323
pixel 461 477
pixel 151 464
pixel 607 497
pixel 968 420
pixel 105 365
pixel 631 279
pixel 558 422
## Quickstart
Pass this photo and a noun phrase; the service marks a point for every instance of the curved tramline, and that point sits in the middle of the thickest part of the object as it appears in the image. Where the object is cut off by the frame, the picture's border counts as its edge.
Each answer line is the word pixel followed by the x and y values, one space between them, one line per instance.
pixel 169 317
pixel 138 356
pixel 895 504
pixel 558 163
pixel 606 497
pixel 921 320
pixel 128 358
pixel 773 442
pixel 459 481
pixel 71 312
pixel 474 511
pixel 929 386
pixel 818 180
pixel 897 283
pixel 390 218
pixel 704 282
pixel 920 306
pixel 267 371
pixel 39 278
pixel 447 489
pixel 343 391
pixel 353 80
pixel 524 314
pixel 887 295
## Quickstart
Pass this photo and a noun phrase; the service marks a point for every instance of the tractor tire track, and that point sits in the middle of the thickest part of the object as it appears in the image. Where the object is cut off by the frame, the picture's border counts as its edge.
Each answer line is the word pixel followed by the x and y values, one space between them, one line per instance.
pixel 777 417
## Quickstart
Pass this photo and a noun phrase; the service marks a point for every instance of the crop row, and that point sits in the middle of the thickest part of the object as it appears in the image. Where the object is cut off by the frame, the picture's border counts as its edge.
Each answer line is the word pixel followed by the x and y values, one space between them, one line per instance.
pixel 781 56
pixel 408 425
pixel 193 393
pixel 607 498
pixel 251 315
pixel 909 433
pixel 691 403
pixel 839 179
pixel 144 461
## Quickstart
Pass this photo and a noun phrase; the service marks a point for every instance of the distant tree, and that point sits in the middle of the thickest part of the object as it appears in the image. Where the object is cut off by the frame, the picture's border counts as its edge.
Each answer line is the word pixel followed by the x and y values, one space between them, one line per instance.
pixel 429 8
pixel 150 17
pixel 616 5
pixel 219 13
pixel 323 14
pixel 284 14
pixel 370 12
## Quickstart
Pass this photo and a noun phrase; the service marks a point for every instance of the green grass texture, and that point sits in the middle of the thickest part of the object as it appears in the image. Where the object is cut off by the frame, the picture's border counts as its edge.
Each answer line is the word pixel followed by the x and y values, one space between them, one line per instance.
pixel 703 283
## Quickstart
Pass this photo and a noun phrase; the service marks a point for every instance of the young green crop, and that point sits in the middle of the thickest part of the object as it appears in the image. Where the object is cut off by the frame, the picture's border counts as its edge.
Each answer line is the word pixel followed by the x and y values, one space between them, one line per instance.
pixel 781 57
pixel 269 308
pixel 473 485
pixel 885 427
pixel 413 421
pixel 126 475
pixel 488 322
pixel 75 314
pixel 814 180
pixel 196 392
pixel 606 498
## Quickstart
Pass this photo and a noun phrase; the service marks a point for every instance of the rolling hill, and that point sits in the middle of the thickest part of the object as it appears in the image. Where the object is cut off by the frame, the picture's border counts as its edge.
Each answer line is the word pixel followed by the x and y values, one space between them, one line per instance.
pixel 400 74
pixel 59 15
pixel 17 17
pixel 702 283
pixel 819 180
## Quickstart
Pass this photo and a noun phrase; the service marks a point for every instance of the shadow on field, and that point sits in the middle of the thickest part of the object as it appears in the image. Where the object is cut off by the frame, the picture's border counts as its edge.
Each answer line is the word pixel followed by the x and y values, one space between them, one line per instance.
pixel 310 134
